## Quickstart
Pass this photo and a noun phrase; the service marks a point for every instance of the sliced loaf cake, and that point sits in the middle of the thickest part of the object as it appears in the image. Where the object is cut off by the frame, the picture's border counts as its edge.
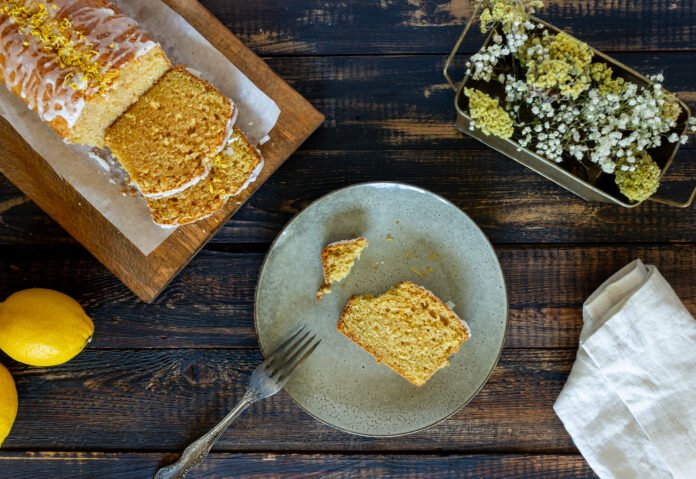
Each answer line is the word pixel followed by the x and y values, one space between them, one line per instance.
pixel 233 170
pixel 407 328
pixel 166 141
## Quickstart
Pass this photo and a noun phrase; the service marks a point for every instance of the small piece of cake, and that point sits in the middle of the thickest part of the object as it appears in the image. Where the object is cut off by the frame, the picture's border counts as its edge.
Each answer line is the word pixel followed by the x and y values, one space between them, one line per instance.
pixel 407 328
pixel 337 260
pixel 233 170
pixel 166 141
pixel 79 64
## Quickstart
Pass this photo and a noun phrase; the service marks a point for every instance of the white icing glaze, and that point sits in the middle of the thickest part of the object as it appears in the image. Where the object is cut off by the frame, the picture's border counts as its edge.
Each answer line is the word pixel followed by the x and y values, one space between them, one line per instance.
pixel 229 151
pixel 229 130
pixel 37 74
pixel 194 72
pixel 103 164
pixel 254 175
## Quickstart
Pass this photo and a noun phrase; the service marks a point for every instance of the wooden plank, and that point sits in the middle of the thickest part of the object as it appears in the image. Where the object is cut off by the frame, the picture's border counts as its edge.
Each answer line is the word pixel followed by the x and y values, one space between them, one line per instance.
pixel 510 203
pixel 147 275
pixel 432 26
pixel 211 304
pixel 158 400
pixel 55 465
pixel 404 102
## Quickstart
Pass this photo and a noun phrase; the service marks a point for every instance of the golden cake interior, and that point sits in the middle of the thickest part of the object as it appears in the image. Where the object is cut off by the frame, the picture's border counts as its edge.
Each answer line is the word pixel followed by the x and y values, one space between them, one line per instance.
pixel 232 169
pixel 407 328
pixel 167 138
pixel 338 260
pixel 133 81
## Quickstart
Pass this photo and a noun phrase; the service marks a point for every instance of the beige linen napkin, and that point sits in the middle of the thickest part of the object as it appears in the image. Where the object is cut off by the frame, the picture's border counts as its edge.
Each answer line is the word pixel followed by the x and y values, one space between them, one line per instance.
pixel 630 401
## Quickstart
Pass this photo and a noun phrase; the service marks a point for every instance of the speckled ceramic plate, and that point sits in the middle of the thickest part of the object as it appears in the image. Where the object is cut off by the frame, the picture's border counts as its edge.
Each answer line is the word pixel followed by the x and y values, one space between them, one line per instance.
pixel 414 235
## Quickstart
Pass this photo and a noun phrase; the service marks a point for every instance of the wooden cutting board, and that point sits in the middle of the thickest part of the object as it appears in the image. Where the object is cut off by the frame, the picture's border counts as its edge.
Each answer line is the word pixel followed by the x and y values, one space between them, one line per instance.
pixel 146 276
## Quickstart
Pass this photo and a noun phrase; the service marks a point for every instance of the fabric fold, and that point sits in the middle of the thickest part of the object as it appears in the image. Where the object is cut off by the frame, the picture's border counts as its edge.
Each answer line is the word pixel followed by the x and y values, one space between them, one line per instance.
pixel 628 403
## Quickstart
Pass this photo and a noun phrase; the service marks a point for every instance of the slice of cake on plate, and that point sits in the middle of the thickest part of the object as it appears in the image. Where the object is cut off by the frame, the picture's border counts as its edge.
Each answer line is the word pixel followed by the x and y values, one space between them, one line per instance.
pixel 79 64
pixel 233 170
pixel 166 141
pixel 337 260
pixel 407 328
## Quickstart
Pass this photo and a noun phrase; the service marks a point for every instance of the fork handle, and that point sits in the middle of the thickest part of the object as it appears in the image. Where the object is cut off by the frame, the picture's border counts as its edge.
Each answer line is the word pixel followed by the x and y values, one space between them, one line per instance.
pixel 197 451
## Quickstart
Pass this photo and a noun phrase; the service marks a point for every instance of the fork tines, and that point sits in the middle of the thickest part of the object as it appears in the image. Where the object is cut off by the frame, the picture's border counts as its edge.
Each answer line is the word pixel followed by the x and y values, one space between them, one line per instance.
pixel 289 355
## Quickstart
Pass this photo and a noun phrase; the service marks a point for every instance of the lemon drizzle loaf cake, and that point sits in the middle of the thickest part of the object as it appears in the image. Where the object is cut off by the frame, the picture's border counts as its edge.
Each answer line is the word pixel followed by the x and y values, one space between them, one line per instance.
pixel 166 140
pixel 79 64
pixel 337 260
pixel 237 166
pixel 407 328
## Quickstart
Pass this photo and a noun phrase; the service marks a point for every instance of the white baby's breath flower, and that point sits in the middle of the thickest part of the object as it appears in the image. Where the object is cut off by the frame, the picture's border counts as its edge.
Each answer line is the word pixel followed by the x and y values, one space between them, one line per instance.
pixel 600 126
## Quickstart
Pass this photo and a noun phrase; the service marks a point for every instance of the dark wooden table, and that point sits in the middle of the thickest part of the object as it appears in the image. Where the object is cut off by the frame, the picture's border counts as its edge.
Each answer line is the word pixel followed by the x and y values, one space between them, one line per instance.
pixel 158 375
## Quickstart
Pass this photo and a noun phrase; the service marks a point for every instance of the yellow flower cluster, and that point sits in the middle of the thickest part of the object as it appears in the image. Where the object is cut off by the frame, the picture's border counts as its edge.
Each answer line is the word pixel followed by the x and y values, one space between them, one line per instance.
pixel 640 180
pixel 601 74
pixel 488 115
pixel 60 38
pixel 507 13
pixel 566 67
pixel 670 109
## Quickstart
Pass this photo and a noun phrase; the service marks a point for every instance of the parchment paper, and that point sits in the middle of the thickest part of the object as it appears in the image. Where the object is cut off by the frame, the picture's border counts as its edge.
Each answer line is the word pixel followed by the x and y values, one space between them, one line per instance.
pixel 183 44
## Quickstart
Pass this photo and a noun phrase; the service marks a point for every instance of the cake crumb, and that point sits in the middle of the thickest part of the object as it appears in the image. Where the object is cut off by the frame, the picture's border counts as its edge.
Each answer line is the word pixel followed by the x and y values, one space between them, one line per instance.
pixel 337 261
pixel 423 272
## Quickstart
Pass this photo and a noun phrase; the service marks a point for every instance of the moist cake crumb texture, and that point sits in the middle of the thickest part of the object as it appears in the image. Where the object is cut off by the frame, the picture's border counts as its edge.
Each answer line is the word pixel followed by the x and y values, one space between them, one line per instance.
pixel 168 138
pixel 337 261
pixel 231 170
pixel 407 328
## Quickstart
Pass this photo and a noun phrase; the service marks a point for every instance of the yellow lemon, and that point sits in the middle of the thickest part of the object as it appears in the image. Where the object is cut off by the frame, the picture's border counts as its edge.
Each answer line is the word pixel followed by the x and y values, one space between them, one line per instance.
pixel 8 403
pixel 41 327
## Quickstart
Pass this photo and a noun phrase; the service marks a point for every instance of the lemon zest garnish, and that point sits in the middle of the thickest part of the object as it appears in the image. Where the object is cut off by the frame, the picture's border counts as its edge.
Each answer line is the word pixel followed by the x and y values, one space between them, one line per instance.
pixel 61 38
pixel 424 272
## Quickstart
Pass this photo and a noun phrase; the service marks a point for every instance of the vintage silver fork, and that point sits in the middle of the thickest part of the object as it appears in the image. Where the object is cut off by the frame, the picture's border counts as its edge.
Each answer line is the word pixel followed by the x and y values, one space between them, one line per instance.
pixel 266 380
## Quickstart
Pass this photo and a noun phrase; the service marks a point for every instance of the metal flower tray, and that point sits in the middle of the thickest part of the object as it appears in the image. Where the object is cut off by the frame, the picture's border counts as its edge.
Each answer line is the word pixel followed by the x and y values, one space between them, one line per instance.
pixel 604 193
